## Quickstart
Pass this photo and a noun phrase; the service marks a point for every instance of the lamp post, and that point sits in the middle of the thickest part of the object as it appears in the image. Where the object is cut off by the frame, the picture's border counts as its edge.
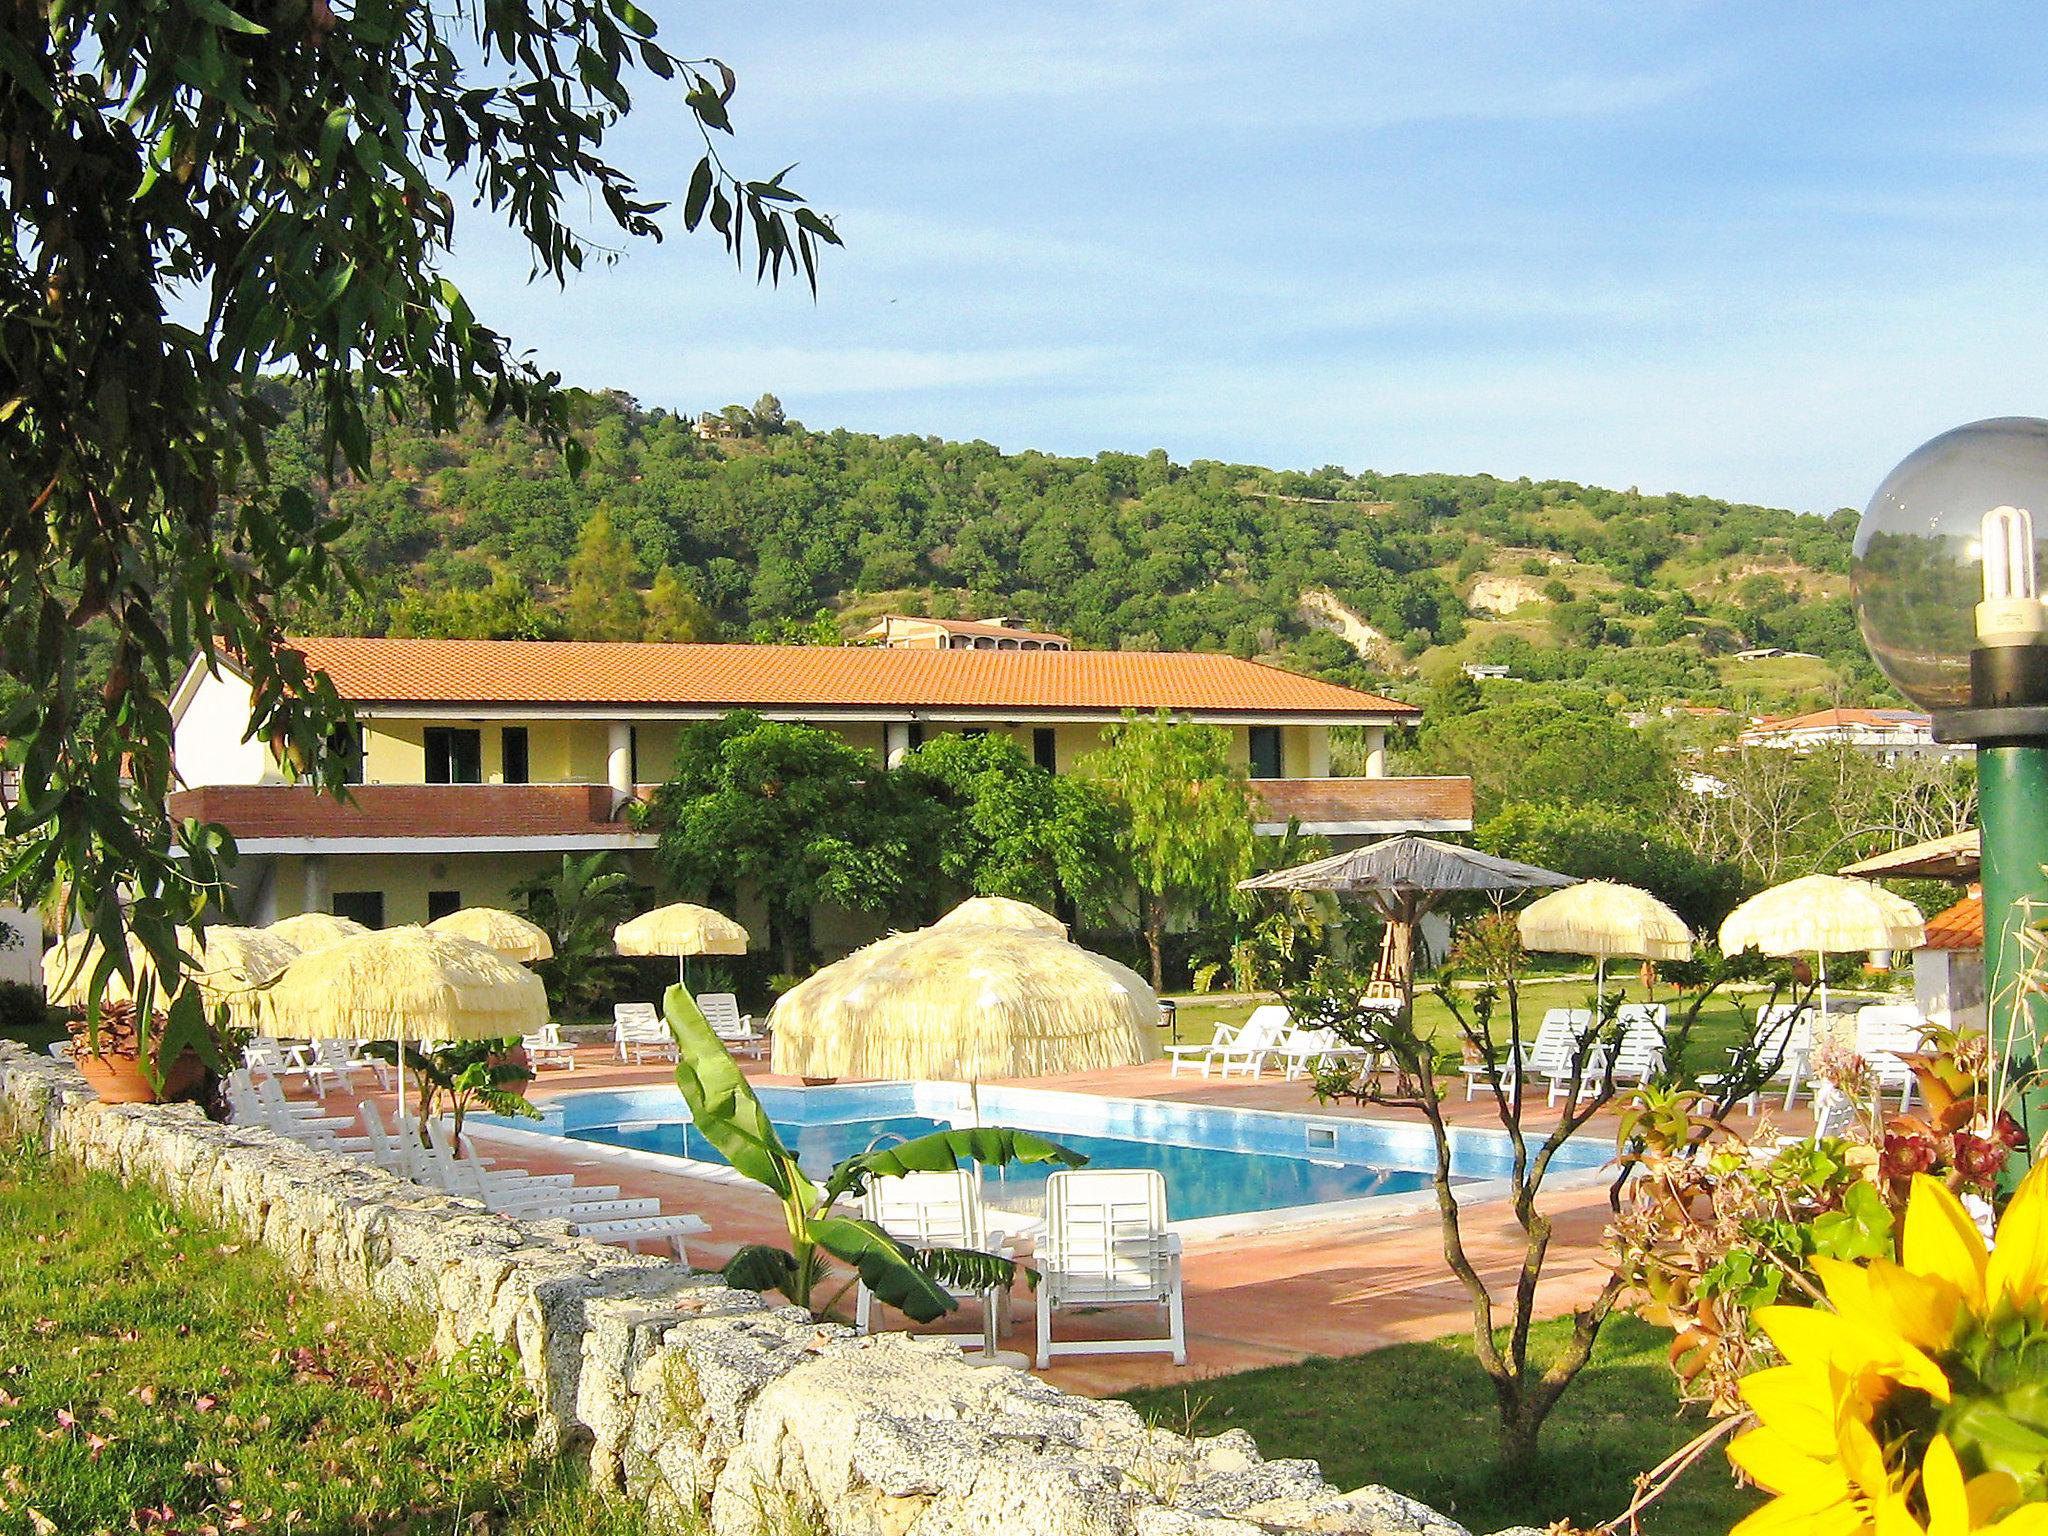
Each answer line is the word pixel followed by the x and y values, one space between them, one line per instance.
pixel 1947 593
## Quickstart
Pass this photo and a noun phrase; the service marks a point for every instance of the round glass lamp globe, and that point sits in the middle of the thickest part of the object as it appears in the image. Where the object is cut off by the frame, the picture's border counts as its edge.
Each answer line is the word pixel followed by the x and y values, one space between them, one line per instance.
pixel 1919 572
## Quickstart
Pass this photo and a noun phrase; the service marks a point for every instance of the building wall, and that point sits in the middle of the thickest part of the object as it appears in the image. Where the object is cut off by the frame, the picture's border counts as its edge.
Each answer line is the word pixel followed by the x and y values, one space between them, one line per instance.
pixel 208 741
pixel 21 955
pixel 482 879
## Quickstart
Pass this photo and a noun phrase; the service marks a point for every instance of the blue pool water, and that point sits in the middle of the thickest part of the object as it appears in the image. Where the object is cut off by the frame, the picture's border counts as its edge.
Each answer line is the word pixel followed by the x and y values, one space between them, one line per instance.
pixel 1216 1161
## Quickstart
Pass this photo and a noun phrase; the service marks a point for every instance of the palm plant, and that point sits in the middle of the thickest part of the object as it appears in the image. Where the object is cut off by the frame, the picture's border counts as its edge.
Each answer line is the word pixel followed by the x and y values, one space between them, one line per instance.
pixel 913 1280
pixel 459 1077
pixel 579 905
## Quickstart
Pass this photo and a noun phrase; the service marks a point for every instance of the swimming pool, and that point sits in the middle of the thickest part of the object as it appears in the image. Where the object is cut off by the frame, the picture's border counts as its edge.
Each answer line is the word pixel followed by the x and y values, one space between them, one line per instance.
pixel 1218 1162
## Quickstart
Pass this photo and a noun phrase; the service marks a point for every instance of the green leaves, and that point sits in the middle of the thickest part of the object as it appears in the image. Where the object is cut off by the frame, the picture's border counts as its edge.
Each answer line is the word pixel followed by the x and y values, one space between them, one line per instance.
pixel 723 1106
pixel 886 1266
pixel 942 1151
pixel 1861 1229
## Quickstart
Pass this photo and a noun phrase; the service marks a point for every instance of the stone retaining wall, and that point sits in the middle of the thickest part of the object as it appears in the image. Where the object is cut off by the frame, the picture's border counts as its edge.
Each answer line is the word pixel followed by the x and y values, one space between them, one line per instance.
pixel 698 1399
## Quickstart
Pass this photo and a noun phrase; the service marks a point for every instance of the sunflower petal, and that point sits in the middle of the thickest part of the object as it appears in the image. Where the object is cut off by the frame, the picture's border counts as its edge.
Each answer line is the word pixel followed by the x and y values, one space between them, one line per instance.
pixel 1941 1485
pixel 1775 1462
pixel 1921 1309
pixel 1942 1241
pixel 2018 1268
pixel 1818 1339
pixel 1797 1402
pixel 2027 1520
pixel 1989 1492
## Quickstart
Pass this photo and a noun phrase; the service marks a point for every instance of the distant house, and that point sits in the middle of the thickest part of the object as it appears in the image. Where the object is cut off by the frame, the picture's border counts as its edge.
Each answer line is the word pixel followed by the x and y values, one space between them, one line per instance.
pixel 1892 734
pixel 481 762
pixel 1484 671
pixel 911 633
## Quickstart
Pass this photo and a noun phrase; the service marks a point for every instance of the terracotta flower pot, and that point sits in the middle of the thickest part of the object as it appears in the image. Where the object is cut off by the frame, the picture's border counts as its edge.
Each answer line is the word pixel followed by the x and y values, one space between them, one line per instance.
pixel 516 1057
pixel 116 1076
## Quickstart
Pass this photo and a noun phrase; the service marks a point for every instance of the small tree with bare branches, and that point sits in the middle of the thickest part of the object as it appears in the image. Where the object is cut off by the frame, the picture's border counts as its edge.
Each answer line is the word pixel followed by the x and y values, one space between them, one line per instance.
pixel 1410 1070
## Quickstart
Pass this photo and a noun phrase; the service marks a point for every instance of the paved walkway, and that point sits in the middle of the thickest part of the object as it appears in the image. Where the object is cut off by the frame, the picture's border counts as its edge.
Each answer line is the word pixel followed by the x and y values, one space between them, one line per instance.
pixel 1336 1288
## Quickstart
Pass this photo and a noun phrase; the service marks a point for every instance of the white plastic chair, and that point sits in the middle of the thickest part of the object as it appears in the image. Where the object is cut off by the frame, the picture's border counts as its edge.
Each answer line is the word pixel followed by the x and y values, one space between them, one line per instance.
pixel 937 1210
pixel 1247 1046
pixel 1782 1041
pixel 1303 1049
pixel 1106 1245
pixel 721 1011
pixel 639 1032
pixel 546 1047
pixel 1884 1033
pixel 1557 1037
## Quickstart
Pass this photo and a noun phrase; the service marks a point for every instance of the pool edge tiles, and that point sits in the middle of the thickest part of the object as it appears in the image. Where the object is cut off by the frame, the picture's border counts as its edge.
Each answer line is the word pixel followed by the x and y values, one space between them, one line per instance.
pixel 1403 1148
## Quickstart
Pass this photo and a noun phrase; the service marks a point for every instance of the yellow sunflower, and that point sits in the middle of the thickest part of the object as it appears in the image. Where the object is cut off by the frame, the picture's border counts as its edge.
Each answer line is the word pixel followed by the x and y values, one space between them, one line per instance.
pixel 1916 1402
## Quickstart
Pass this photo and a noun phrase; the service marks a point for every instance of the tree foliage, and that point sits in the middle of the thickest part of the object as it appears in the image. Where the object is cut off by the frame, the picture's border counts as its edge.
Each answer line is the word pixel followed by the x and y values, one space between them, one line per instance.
pixel 1550 745
pixel 1017 829
pixel 1596 843
pixel 204 191
pixel 1187 818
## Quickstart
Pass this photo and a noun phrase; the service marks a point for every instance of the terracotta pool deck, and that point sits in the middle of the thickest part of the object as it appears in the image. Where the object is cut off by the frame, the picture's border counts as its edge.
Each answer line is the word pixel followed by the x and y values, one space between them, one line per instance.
pixel 1334 1288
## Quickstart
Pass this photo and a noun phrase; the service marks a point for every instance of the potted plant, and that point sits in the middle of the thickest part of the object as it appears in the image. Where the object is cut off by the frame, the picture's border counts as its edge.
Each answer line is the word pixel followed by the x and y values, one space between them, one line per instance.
pixel 122 1062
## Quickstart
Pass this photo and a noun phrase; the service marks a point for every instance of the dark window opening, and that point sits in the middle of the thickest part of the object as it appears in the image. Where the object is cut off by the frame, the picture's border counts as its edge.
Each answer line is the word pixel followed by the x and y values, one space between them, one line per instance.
pixel 973 731
pixel 513 750
pixel 916 733
pixel 1045 748
pixel 1265 744
pixel 346 743
pixel 366 907
pixel 441 903
pixel 454 756
pixel 632 754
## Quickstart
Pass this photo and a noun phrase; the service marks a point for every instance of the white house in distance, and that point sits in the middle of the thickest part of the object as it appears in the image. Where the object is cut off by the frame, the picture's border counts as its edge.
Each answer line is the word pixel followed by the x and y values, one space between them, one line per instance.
pixel 483 762
pixel 1892 734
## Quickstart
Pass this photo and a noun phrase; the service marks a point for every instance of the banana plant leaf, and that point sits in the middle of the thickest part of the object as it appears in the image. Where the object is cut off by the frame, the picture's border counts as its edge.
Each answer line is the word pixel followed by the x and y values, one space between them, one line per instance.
pixel 760 1267
pixel 941 1151
pixel 887 1267
pixel 723 1105
pixel 970 1269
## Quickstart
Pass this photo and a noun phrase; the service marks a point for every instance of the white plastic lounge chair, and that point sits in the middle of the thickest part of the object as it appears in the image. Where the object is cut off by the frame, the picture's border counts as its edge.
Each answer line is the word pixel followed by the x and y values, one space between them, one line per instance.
pixel 937 1210
pixel 1303 1050
pixel 1884 1033
pixel 721 1011
pixel 1635 1058
pixel 1247 1046
pixel 1782 1042
pixel 1556 1038
pixel 60 1049
pixel 1106 1245
pixel 639 1032
pixel 546 1047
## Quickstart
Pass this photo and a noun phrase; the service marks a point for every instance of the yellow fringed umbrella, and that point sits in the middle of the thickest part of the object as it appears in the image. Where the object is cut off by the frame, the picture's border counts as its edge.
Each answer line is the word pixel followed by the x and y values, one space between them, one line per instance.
pixel 316 930
pixel 231 966
pixel 1605 920
pixel 682 930
pixel 1002 912
pixel 964 1002
pixel 1822 915
pixel 502 932
pixel 405 984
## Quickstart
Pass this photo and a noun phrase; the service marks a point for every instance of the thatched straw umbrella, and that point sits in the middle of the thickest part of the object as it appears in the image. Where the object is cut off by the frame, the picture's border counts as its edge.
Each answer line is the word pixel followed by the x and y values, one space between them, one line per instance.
pixel 406 984
pixel 231 966
pixel 1604 919
pixel 682 930
pixel 1002 912
pixel 1820 915
pixel 316 930
pixel 963 1002
pixel 501 932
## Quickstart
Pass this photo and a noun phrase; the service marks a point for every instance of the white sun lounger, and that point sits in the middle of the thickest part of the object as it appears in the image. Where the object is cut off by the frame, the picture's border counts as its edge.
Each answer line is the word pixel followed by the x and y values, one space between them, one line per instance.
pixel 1246 1046
pixel 1884 1033
pixel 1557 1037
pixel 721 1011
pixel 638 1032
pixel 937 1210
pixel 1302 1050
pixel 546 1047
pixel 1106 1245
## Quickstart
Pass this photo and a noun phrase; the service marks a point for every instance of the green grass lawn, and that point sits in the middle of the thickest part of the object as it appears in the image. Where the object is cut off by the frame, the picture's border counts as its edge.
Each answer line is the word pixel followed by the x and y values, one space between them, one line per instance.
pixel 1419 1418
pixel 155 1374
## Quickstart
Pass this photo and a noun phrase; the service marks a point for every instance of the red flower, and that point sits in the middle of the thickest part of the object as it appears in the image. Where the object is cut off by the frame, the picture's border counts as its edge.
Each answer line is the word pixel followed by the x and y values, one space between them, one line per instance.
pixel 1905 1154
pixel 1978 1159
pixel 2010 1131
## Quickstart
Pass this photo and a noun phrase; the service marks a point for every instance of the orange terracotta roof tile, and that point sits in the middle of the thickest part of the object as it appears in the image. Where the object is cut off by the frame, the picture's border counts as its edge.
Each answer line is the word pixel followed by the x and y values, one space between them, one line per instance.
pixel 570 672
pixel 1960 927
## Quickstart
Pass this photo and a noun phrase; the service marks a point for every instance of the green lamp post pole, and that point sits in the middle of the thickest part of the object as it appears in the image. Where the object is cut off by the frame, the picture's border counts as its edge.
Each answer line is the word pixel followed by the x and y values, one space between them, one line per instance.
pixel 1947 578
pixel 2012 808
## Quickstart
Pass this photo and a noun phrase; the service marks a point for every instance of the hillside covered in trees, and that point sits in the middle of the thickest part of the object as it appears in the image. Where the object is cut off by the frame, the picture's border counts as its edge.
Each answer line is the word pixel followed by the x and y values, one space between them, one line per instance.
pixel 745 524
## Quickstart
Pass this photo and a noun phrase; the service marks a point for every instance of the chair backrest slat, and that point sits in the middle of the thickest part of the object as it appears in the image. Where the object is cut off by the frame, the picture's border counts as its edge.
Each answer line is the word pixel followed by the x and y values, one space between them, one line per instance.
pixel 1105 1232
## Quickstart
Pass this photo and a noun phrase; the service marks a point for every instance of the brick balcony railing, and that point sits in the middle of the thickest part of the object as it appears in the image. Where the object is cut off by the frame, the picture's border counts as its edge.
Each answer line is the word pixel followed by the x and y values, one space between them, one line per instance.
pixel 267 811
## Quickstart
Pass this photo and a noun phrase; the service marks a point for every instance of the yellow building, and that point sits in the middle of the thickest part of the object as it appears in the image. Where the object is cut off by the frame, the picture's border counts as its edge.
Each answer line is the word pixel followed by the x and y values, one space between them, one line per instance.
pixel 481 762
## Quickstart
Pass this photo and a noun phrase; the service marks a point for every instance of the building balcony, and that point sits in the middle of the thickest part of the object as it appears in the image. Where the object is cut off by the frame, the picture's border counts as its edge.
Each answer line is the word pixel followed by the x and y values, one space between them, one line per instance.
pixel 406 818
pixel 1364 807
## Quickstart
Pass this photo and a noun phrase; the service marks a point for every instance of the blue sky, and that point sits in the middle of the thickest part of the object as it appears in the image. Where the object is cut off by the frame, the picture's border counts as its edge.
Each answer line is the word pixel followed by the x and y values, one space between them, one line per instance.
pixel 1757 251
